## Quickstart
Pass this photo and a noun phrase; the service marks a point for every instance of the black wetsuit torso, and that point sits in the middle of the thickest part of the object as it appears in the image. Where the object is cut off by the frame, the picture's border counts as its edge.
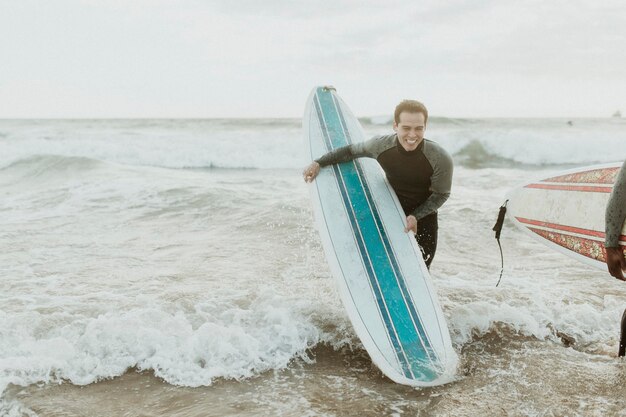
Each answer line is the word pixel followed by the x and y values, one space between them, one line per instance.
pixel 409 174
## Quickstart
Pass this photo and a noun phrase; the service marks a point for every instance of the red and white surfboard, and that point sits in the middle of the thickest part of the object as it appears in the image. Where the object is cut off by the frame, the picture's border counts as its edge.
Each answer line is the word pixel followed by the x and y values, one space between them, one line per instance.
pixel 566 211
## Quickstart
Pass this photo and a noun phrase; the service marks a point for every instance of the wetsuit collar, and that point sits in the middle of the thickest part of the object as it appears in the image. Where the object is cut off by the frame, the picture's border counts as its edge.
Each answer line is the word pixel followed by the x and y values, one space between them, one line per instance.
pixel 403 151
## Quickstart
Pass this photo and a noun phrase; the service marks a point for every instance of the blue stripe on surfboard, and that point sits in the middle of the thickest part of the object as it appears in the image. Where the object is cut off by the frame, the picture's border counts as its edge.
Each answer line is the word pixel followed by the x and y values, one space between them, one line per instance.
pixel 390 297
pixel 391 253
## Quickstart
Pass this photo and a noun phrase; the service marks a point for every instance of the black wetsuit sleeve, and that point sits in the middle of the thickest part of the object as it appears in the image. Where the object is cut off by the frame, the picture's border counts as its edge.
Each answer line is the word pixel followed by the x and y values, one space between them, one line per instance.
pixel 440 181
pixel 616 210
pixel 350 152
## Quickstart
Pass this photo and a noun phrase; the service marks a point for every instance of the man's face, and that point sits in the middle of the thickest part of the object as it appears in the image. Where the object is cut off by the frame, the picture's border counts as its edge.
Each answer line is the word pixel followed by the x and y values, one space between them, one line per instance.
pixel 410 130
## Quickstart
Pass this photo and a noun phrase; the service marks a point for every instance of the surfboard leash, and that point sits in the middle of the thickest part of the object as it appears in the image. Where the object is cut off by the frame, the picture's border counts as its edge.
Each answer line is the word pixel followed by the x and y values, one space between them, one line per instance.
pixel 498 229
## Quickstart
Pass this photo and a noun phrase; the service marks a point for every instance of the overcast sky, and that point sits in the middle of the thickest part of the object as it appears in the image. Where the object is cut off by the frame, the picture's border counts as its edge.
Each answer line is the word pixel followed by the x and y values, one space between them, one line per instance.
pixel 260 58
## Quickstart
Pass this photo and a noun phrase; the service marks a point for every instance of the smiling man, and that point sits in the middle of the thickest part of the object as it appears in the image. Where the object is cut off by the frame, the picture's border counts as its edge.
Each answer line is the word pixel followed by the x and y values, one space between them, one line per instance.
pixel 418 169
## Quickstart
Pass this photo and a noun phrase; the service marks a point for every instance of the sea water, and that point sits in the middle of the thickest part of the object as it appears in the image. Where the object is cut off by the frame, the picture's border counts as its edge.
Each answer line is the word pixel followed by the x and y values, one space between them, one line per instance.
pixel 172 267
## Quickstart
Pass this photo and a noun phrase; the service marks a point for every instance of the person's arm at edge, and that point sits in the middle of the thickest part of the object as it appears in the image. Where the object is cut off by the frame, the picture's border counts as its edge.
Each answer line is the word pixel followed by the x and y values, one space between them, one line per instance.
pixel 614 221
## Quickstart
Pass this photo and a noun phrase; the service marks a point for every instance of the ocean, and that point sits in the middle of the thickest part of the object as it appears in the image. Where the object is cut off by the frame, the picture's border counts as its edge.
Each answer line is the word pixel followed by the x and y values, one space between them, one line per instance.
pixel 172 268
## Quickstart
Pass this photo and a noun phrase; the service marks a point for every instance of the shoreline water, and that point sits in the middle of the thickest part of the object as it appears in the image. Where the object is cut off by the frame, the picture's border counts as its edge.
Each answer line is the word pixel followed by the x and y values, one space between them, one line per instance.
pixel 345 383
pixel 126 251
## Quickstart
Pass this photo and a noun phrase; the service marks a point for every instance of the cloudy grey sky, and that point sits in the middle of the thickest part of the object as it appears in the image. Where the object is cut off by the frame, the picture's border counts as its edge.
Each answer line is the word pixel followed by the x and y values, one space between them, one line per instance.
pixel 253 58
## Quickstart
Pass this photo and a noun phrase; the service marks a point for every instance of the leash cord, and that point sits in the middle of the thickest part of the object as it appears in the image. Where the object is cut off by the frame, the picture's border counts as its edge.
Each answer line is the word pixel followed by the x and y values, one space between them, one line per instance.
pixel 498 229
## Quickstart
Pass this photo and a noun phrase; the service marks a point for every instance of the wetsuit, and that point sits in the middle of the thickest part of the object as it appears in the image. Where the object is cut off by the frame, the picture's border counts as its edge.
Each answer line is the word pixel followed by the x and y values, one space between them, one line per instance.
pixel 421 178
pixel 616 210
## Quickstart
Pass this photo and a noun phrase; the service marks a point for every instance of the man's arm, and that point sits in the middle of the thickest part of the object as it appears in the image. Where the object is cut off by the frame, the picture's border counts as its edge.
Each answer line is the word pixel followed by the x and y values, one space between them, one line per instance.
pixel 440 181
pixel 614 221
pixel 339 155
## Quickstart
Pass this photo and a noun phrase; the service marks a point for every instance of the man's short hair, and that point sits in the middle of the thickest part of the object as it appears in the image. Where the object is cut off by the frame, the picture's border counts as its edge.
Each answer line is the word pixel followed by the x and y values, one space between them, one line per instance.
pixel 410 106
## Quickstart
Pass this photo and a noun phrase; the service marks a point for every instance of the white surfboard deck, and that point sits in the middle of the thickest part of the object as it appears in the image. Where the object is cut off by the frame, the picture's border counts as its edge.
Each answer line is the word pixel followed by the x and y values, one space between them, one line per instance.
pixel 566 211
pixel 381 276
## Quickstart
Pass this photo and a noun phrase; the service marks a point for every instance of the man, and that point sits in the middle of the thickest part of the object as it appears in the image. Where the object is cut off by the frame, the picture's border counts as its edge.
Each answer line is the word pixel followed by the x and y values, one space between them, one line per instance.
pixel 419 170
pixel 614 221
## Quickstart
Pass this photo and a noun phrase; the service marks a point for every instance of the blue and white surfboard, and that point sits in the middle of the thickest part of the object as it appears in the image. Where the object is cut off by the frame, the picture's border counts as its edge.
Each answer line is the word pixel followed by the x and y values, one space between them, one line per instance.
pixel 382 279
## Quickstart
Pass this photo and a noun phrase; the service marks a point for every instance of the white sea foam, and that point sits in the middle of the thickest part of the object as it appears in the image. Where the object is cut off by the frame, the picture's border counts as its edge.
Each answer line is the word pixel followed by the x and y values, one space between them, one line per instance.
pixel 245 144
pixel 203 144
pixel 189 349
pixel 541 312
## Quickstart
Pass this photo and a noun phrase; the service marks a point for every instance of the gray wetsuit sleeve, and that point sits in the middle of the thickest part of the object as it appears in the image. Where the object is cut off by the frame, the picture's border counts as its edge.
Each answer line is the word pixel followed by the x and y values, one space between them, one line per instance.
pixel 369 149
pixel 616 210
pixel 440 181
